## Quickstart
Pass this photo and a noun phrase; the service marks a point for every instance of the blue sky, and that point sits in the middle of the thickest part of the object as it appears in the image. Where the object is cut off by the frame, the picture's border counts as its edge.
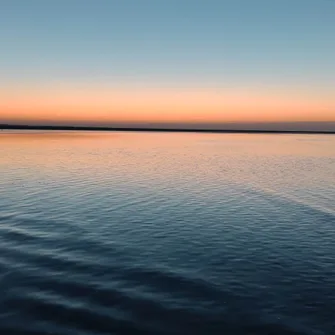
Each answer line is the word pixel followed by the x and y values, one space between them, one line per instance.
pixel 286 43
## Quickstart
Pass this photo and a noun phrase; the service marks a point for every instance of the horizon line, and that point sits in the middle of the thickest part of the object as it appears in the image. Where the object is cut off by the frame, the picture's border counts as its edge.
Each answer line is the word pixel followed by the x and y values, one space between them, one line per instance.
pixel 157 129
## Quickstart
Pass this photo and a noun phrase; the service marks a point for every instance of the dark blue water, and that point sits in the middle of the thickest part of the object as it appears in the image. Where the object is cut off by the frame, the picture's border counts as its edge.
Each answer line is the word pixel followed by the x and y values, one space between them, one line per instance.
pixel 167 234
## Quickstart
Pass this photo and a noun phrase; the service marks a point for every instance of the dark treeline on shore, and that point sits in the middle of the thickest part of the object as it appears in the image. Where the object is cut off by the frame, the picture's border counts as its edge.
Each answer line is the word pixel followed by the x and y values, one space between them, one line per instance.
pixel 155 129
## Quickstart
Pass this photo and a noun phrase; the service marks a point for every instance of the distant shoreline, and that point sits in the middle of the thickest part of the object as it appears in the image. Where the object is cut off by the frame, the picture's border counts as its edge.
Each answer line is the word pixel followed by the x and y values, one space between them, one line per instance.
pixel 155 129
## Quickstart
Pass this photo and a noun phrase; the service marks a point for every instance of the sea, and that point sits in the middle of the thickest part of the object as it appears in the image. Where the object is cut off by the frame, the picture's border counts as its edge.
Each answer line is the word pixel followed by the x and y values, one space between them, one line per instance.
pixel 166 233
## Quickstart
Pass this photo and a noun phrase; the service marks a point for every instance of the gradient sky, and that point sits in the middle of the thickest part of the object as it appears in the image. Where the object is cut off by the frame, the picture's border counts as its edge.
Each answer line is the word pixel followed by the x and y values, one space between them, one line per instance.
pixel 213 61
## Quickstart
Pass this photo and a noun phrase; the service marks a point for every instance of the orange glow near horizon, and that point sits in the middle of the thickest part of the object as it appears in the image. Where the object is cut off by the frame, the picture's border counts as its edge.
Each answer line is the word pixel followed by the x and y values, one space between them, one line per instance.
pixel 108 105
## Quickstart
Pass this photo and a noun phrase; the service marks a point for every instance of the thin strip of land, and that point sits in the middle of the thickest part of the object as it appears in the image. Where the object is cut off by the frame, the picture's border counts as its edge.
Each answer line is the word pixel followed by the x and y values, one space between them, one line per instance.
pixel 154 129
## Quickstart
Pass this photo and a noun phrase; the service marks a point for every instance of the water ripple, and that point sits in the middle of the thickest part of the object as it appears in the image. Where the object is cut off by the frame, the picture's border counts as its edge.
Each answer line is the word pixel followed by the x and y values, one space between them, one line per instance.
pixel 167 234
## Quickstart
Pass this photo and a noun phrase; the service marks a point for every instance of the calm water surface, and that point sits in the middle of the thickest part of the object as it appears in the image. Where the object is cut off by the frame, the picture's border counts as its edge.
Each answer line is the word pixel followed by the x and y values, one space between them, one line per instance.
pixel 153 233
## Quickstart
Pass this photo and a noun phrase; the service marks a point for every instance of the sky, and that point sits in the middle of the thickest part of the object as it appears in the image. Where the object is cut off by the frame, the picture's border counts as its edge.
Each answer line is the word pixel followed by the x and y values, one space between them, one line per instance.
pixel 186 62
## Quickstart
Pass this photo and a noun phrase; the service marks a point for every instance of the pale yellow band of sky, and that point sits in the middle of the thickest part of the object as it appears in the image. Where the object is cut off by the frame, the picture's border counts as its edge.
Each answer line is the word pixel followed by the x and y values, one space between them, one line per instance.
pixel 107 105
